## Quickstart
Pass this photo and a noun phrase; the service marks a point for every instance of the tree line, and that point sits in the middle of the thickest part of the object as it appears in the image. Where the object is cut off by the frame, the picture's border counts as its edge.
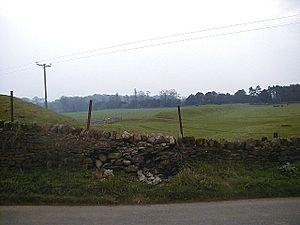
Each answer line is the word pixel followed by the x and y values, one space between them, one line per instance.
pixel 272 95
pixel 170 98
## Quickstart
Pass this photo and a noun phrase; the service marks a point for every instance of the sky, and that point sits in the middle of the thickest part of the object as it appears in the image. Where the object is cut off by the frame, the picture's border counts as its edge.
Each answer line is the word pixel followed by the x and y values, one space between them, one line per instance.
pixel 170 48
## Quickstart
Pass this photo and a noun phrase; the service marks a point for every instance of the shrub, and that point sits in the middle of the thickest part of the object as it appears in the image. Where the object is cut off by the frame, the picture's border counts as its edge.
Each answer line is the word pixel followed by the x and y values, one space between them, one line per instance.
pixel 288 170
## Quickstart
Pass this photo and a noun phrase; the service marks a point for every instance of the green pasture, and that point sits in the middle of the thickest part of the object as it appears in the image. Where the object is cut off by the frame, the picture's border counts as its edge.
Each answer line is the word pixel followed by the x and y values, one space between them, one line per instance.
pixel 236 121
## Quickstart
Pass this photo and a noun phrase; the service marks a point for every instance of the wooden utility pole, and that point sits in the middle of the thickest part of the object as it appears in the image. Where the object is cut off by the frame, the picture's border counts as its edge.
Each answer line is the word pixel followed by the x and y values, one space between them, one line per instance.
pixel 45 81
pixel 11 106
pixel 89 115
pixel 180 122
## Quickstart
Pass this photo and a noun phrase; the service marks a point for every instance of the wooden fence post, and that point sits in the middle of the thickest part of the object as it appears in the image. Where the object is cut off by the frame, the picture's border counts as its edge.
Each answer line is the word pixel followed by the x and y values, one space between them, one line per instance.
pixel 11 106
pixel 89 115
pixel 180 122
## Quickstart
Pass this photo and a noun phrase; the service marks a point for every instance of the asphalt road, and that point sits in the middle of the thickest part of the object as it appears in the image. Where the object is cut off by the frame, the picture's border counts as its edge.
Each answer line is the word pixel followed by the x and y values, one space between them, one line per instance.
pixel 280 211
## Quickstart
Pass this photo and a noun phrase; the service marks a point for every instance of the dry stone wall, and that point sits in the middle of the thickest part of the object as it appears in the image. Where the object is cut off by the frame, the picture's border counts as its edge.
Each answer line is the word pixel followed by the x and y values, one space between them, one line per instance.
pixel 279 150
pixel 28 146
pixel 31 147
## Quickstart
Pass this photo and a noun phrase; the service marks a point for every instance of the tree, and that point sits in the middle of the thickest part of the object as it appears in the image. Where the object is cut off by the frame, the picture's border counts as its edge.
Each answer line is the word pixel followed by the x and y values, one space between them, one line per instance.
pixel 169 98
pixel 148 94
pixel 199 98
pixel 141 96
pixel 257 90
pixel 241 92
pixel 240 96
pixel 264 96
pixel 210 97
pixel 114 101
pixel 191 100
pixel 251 91
pixel 163 97
pixel 135 98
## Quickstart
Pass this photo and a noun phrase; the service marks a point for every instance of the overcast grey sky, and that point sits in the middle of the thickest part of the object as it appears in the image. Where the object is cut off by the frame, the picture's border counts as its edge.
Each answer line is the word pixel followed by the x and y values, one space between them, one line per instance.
pixel 34 30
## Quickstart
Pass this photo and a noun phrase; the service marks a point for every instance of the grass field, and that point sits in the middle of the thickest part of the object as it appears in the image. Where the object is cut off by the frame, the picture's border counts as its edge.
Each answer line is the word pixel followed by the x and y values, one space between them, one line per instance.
pixel 28 113
pixel 213 121
pixel 200 181
pixel 236 121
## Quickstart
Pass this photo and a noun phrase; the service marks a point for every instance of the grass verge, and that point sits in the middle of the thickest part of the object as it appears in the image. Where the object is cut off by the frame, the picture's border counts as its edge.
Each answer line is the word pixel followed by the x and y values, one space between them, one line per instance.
pixel 200 181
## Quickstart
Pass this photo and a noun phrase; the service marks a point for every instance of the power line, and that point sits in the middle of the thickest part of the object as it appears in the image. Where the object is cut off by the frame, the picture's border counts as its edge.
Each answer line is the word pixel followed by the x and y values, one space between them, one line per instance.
pixel 171 36
pixel 23 68
pixel 176 41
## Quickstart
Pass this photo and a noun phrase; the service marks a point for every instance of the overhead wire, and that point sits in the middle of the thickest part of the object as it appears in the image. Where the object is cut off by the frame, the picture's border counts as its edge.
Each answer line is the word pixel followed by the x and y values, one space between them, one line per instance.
pixel 176 41
pixel 25 67
pixel 170 36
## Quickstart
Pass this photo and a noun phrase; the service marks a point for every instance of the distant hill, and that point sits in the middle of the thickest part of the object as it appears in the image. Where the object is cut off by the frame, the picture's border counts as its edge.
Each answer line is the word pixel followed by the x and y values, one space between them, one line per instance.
pixel 28 112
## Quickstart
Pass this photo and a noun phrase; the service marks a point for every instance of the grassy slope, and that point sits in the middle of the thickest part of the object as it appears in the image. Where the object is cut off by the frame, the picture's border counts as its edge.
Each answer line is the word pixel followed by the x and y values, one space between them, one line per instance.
pixel 197 182
pixel 213 121
pixel 27 112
